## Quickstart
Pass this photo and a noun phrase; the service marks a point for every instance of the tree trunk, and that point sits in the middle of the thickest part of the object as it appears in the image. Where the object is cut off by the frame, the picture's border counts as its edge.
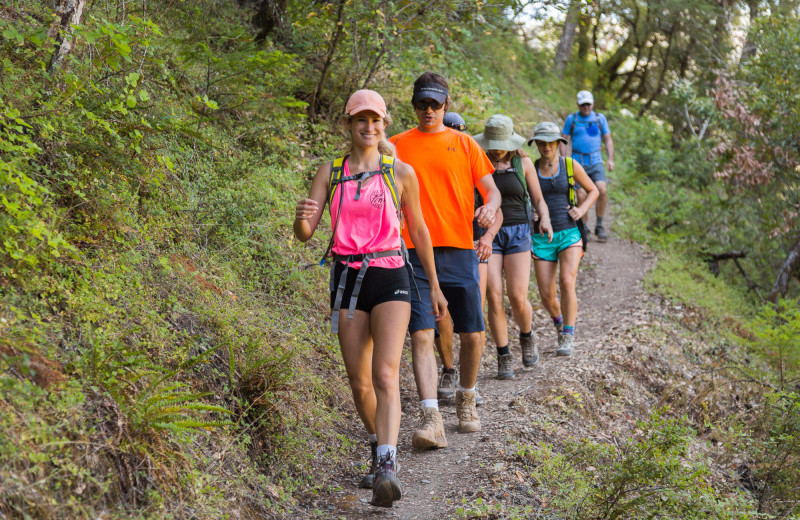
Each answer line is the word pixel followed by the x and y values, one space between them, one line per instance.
pixel 70 12
pixel 337 35
pixel 269 16
pixel 567 38
pixel 664 67
pixel 785 273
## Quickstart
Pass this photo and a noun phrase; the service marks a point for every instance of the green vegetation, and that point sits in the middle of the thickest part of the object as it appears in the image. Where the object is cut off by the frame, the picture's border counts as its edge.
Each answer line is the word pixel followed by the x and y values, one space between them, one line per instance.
pixel 164 351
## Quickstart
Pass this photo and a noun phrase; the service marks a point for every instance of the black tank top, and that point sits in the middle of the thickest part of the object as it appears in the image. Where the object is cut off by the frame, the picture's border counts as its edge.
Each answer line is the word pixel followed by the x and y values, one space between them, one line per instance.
pixel 513 197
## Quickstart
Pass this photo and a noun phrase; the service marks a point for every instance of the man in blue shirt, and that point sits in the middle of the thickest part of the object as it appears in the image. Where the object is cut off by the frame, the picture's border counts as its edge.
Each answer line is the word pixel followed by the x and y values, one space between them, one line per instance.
pixel 587 130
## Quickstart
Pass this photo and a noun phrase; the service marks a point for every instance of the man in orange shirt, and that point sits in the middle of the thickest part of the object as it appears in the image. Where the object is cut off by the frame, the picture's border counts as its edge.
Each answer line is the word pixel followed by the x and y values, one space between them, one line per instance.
pixel 449 164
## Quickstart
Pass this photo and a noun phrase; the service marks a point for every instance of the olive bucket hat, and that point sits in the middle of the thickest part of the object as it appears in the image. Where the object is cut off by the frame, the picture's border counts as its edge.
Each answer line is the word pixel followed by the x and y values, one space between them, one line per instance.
pixel 499 135
pixel 547 132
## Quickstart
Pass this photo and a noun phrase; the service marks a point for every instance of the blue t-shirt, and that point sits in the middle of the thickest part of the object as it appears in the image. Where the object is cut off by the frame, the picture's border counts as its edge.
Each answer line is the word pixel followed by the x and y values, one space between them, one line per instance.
pixel 586 137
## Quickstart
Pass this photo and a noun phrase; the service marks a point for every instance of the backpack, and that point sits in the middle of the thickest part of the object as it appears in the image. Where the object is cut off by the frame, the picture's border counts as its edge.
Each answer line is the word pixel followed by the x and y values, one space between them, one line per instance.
pixel 337 177
pixel 567 164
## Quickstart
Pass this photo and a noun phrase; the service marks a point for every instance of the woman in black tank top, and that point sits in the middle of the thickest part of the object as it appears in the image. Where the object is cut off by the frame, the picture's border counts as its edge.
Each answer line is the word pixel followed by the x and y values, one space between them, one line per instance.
pixel 515 177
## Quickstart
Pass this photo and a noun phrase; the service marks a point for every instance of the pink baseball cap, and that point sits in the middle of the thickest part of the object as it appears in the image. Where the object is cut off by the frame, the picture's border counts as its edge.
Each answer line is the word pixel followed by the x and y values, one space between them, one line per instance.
pixel 365 99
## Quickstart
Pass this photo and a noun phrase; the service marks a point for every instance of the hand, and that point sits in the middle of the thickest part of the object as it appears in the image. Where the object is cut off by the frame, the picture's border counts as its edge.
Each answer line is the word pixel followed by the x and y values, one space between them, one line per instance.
pixel 575 212
pixel 546 227
pixel 611 165
pixel 305 209
pixel 483 246
pixel 438 304
pixel 485 216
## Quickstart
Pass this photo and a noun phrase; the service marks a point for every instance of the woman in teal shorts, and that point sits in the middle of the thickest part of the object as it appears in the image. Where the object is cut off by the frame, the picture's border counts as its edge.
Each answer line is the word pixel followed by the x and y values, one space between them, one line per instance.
pixel 565 249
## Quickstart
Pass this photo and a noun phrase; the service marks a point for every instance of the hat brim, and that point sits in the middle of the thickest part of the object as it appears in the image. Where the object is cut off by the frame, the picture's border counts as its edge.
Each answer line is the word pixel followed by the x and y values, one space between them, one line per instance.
pixel 439 97
pixel 546 139
pixel 364 108
pixel 512 143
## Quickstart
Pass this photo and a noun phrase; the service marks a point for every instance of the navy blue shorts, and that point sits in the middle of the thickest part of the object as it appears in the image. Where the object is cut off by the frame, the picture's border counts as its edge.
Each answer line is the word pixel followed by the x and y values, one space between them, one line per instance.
pixel 380 285
pixel 457 270
pixel 512 239
pixel 596 172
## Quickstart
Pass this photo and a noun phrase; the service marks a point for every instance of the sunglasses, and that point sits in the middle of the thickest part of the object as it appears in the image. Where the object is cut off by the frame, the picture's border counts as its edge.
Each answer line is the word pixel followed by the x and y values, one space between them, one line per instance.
pixel 424 105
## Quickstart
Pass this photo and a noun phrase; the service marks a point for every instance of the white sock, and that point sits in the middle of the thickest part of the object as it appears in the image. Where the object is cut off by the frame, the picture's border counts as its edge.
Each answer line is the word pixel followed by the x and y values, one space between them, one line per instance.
pixel 430 403
pixel 373 438
pixel 383 449
pixel 462 389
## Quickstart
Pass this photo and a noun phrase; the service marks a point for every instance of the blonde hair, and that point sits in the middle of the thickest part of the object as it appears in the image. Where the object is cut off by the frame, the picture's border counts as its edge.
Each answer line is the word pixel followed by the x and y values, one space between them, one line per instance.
pixel 384 146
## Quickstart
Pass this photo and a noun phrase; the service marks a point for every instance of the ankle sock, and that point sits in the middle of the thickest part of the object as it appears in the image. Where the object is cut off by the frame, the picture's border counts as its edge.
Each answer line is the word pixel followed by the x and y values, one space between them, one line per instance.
pixel 502 351
pixel 430 403
pixel 568 329
pixel 448 370
pixel 385 449
pixel 558 321
pixel 462 389
pixel 526 334
pixel 373 438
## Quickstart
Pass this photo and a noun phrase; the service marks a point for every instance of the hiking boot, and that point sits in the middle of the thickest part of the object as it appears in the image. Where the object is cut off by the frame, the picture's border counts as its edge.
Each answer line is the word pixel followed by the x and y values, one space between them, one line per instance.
pixel 559 327
pixel 430 433
pixel 530 354
pixel 367 480
pixel 447 385
pixel 468 420
pixel 478 398
pixel 505 366
pixel 600 231
pixel 566 345
pixel 387 488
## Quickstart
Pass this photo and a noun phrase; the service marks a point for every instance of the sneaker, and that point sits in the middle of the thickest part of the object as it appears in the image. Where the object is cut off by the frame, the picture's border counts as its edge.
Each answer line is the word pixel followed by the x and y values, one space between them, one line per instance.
pixel 566 345
pixel 468 420
pixel 447 385
pixel 368 479
pixel 387 488
pixel 600 231
pixel 530 354
pixel 478 398
pixel 505 366
pixel 430 433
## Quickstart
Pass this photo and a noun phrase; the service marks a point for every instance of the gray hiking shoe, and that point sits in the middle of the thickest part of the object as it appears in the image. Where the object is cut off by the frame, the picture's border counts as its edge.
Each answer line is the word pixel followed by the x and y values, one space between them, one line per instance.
pixel 447 385
pixel 478 397
pixel 566 345
pixel 505 366
pixel 387 488
pixel 600 231
pixel 369 478
pixel 559 327
pixel 530 354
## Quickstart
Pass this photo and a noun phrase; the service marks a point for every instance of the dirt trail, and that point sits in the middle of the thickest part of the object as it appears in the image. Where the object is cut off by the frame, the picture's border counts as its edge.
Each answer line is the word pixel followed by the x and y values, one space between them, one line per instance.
pixel 527 409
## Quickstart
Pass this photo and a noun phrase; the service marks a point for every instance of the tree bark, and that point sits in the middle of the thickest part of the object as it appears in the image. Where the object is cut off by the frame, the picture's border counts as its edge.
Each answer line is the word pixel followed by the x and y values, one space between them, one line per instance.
pixel 785 273
pixel 567 38
pixel 70 12
pixel 337 35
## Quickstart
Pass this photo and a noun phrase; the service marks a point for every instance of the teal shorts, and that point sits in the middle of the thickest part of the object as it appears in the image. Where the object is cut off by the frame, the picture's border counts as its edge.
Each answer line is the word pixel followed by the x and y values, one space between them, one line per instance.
pixel 548 251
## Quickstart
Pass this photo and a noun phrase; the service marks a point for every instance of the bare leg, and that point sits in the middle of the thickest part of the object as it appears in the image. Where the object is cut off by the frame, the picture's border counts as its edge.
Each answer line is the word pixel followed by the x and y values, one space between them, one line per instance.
pixel 546 280
pixel 517 268
pixel 424 361
pixel 569 260
pixel 470 358
pixel 602 200
pixel 444 343
pixel 356 346
pixel 494 296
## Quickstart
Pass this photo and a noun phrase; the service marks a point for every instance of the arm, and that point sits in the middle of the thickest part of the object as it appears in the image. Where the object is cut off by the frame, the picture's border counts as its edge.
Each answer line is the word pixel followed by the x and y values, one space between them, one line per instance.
pixel 610 150
pixel 409 197
pixel 591 191
pixel 483 246
pixel 535 191
pixel 491 196
pixel 308 211
pixel 562 148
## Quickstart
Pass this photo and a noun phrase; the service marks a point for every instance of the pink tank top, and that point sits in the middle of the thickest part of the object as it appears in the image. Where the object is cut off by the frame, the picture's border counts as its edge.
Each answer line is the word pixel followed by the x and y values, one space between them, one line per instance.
pixel 366 225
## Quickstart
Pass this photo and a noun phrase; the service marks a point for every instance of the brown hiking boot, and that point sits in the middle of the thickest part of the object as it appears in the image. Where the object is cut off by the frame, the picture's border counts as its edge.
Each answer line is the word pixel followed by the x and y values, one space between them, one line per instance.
pixel 467 412
pixel 530 354
pixel 430 433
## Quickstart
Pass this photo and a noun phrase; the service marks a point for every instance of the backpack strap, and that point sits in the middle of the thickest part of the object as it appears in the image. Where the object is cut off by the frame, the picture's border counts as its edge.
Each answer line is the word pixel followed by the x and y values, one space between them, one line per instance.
pixel 387 170
pixel 516 164
pixel 573 198
pixel 572 126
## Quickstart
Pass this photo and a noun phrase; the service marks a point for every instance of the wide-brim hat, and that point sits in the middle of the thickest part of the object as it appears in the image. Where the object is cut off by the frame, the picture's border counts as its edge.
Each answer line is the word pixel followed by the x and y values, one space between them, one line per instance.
pixel 547 132
pixel 498 134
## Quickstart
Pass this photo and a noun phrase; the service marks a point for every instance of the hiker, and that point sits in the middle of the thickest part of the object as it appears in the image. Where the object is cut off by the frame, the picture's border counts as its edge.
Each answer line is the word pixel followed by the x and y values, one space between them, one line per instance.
pixel 365 191
pixel 443 337
pixel 515 177
pixel 448 164
pixel 557 178
pixel 586 128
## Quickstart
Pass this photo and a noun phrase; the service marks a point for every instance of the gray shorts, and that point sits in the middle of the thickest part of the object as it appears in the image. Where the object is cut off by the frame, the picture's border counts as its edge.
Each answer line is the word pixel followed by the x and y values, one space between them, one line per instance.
pixel 596 172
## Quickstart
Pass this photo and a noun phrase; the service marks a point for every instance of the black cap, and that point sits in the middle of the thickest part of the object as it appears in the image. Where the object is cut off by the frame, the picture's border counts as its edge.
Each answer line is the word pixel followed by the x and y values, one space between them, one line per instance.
pixel 454 120
pixel 430 90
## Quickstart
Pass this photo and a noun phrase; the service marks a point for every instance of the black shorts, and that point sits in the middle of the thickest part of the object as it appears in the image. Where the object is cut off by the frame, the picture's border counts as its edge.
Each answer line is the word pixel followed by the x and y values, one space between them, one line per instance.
pixel 380 285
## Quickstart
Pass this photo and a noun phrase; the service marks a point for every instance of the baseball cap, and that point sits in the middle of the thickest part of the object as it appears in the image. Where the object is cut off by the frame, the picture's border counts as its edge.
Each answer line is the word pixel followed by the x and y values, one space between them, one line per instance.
pixel 584 96
pixel 365 99
pixel 454 120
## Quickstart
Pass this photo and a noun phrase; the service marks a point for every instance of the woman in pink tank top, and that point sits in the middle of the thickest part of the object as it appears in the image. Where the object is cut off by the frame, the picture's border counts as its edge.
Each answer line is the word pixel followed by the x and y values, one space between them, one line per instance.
pixel 373 300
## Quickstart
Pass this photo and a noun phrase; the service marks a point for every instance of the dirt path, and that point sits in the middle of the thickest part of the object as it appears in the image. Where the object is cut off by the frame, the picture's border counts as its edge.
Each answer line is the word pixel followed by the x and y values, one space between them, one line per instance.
pixel 529 409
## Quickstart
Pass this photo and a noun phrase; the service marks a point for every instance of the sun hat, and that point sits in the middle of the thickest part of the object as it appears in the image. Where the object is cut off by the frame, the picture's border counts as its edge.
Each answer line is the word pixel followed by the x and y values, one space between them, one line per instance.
pixel 547 132
pixel 584 96
pixel 454 120
pixel 365 99
pixel 430 90
pixel 499 134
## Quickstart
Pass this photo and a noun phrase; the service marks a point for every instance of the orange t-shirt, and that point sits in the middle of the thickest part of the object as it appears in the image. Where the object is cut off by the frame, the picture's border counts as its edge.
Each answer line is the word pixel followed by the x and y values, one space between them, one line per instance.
pixel 448 165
